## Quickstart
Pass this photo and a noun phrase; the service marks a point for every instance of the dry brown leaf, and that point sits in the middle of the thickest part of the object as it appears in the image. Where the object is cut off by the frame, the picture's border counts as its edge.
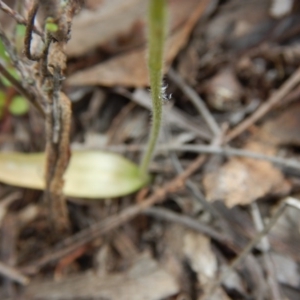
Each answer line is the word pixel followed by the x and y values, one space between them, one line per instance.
pixel 145 280
pixel 244 180
pixel 126 69
pixel 197 249
pixel 129 69
pixel 224 92
pixel 115 23
pixel 110 21
pixel 284 128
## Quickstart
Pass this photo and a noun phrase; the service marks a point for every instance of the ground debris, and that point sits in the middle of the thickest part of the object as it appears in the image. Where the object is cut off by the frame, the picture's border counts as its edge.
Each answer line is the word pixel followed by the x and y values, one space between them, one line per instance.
pixel 243 180
pixel 144 280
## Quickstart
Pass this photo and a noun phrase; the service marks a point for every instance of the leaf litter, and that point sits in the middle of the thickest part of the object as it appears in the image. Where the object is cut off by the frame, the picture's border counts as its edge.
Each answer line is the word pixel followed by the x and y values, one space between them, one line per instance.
pixel 235 57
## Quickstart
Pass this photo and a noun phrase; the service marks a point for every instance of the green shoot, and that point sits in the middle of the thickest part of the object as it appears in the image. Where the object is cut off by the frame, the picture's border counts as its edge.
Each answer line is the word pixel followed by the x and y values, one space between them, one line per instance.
pixel 156 39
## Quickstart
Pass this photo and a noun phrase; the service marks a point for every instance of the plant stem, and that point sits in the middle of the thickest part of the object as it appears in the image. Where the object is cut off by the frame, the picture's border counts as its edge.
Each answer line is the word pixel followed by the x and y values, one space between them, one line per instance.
pixel 156 38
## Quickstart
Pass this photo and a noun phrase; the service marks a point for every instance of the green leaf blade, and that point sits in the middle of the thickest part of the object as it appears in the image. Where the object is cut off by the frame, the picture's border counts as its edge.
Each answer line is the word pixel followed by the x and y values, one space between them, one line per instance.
pixel 90 174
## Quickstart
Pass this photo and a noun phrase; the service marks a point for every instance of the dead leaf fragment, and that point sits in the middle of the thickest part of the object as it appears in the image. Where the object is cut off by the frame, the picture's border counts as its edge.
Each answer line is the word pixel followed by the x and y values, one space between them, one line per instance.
pixel 224 91
pixel 286 270
pixel 104 24
pixel 244 180
pixel 284 235
pixel 120 70
pixel 115 23
pixel 197 250
pixel 284 128
pixel 145 280
pixel 130 69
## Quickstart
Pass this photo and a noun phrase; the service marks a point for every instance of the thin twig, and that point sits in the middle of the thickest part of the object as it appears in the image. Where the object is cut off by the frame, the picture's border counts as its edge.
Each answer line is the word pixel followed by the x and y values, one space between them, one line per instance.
pixel 29 30
pixel 207 149
pixel 52 64
pixel 6 201
pixel 57 159
pixel 245 252
pixel 13 274
pixel 197 101
pixel 29 90
pixel 170 216
pixel 266 106
pixel 267 260
pixel 17 62
pixel 19 19
pixel 294 202
pixel 195 190
pixel 57 83
pixel 17 85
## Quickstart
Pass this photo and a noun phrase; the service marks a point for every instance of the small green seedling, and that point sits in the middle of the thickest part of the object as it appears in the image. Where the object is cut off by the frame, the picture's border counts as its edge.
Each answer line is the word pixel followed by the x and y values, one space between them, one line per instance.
pixel 96 174
pixel 51 25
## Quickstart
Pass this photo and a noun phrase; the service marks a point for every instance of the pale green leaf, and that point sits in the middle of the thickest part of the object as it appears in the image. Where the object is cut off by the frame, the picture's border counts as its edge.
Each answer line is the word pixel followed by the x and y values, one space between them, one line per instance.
pixel 91 174
pixel 18 106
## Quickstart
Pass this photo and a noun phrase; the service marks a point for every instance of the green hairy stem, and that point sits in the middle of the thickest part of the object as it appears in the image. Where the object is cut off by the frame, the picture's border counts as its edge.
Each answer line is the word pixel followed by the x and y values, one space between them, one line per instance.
pixel 156 40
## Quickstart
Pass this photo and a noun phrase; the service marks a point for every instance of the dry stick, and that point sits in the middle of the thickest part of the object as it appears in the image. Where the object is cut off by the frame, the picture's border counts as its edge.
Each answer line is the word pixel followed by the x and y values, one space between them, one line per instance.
pixel 266 106
pixel 44 60
pixel 17 85
pixel 267 260
pixel 29 30
pixel 197 101
pixel 245 252
pixel 57 160
pixel 19 19
pixel 207 149
pixel 170 216
pixel 87 235
pixel 20 66
pixel 52 63
pixel 13 274
pixel 56 109
pixel 289 163
pixel 15 59
pixel 214 127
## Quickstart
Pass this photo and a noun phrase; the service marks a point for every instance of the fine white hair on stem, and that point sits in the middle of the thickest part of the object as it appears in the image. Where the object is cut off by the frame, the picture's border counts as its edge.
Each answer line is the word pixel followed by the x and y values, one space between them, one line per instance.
pixel 164 96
